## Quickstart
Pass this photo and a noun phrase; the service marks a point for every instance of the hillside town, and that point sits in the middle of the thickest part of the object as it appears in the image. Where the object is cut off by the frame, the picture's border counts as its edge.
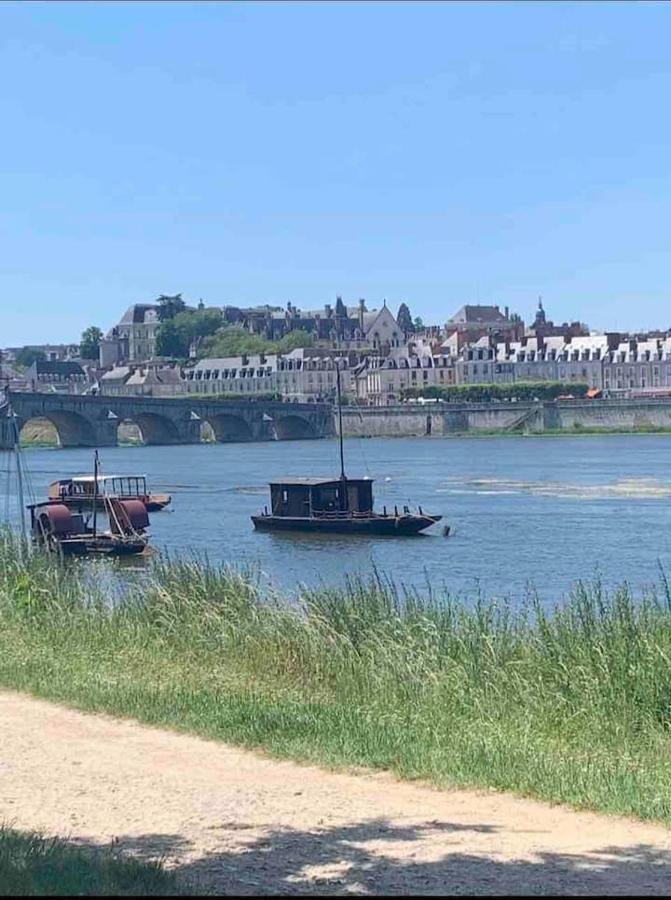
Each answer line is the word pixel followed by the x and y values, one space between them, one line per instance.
pixel 171 348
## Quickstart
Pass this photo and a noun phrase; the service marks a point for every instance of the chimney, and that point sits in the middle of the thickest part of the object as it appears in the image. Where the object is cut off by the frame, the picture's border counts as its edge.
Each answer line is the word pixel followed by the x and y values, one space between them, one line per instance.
pixel 507 311
pixel 362 309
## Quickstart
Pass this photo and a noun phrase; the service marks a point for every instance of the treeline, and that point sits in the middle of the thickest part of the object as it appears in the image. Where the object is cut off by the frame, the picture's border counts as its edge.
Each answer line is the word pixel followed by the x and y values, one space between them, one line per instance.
pixel 180 328
pixel 518 390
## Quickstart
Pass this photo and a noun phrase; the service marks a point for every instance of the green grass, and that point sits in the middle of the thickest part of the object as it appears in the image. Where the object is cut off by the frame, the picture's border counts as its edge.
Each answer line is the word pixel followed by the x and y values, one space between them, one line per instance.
pixel 572 707
pixel 35 866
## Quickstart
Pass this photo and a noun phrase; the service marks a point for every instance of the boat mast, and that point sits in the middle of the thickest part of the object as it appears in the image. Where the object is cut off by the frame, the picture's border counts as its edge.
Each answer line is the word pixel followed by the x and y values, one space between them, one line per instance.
pixel 19 470
pixel 95 492
pixel 343 478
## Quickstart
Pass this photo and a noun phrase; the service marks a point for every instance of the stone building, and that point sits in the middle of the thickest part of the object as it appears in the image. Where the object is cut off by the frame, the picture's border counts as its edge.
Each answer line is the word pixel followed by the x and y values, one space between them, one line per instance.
pixel 62 376
pixel 151 380
pixel 133 339
pixel 338 327
pixel 638 364
pixel 304 375
pixel 381 380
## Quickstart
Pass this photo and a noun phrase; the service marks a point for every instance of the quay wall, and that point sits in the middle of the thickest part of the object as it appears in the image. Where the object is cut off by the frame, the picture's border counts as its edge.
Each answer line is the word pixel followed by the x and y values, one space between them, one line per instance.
pixel 530 417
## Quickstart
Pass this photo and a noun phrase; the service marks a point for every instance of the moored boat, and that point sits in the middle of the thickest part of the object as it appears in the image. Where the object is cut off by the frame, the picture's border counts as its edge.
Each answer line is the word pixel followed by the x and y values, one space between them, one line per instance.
pixel 71 526
pixel 336 505
pixel 329 506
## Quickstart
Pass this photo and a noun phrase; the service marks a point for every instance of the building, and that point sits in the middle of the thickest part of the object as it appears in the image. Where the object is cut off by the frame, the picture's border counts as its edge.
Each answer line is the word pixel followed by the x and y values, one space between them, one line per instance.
pixel 133 339
pixel 382 380
pixel 57 375
pixel 337 327
pixel 642 364
pixel 151 380
pixel 542 327
pixel 305 375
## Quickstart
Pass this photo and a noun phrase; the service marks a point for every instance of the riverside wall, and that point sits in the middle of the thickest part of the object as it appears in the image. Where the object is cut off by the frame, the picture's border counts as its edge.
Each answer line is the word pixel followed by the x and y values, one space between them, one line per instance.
pixel 532 417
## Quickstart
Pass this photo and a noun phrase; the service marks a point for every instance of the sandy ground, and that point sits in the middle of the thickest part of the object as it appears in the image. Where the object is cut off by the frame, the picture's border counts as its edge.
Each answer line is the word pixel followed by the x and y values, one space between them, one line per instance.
pixel 242 824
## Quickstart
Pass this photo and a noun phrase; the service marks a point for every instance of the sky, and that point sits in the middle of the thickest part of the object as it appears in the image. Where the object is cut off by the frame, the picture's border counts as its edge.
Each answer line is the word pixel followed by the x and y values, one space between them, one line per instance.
pixel 244 153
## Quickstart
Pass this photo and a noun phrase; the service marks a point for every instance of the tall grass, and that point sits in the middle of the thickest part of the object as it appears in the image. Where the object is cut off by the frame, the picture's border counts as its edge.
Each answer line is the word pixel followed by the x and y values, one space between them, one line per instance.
pixel 573 706
pixel 32 865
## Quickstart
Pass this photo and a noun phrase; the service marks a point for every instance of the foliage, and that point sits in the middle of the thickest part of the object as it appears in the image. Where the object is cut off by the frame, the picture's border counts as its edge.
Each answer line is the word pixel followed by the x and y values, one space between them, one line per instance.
pixel 233 340
pixel 521 390
pixel 404 319
pixel 26 356
pixel 169 307
pixel 570 705
pixel 418 324
pixel 90 342
pixel 32 865
pixel 174 336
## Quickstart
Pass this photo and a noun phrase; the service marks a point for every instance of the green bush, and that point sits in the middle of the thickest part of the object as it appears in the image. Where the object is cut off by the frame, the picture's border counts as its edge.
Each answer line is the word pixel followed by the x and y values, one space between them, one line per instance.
pixel 474 393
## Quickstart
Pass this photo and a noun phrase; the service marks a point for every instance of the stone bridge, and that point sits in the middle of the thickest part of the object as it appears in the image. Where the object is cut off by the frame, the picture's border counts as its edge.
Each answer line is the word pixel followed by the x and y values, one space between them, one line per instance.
pixel 93 421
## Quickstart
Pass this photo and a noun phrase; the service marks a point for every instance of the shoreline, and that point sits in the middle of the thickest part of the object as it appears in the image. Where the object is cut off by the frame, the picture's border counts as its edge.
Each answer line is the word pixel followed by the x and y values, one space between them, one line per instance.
pixel 568 707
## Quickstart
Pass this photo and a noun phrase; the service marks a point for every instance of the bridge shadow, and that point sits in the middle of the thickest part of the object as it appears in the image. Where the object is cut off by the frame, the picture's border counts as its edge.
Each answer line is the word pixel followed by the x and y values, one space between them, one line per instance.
pixel 380 858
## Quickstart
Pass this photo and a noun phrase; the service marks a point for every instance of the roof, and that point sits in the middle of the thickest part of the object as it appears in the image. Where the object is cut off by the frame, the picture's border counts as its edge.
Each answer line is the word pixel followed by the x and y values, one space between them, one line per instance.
pixel 57 367
pixel 315 482
pixel 135 314
pixel 88 478
pixel 476 313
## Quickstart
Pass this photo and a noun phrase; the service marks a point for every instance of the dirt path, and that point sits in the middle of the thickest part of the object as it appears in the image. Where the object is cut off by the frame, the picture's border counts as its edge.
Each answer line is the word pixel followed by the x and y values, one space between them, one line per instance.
pixel 244 824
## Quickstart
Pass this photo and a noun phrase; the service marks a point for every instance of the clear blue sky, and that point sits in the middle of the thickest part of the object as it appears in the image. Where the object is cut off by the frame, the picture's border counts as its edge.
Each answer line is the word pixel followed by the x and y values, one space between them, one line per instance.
pixel 434 153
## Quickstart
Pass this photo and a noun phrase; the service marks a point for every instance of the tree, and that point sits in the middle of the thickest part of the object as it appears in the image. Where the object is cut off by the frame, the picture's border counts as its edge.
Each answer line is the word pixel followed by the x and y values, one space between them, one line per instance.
pixel 90 342
pixel 169 342
pixel 404 319
pixel 293 340
pixel 26 356
pixel 169 307
pixel 174 336
pixel 417 325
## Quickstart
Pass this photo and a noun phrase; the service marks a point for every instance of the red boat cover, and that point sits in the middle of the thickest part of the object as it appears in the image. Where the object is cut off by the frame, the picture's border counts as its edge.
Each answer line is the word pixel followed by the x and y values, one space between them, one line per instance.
pixel 60 518
pixel 132 514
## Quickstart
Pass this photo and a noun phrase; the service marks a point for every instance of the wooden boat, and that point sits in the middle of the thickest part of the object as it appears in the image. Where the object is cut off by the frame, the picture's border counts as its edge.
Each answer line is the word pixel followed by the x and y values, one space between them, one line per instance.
pixel 336 505
pixel 71 528
pixel 78 492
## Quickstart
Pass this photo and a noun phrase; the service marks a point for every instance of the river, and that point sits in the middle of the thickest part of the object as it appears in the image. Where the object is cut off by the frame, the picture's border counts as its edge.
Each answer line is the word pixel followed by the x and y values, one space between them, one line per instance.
pixel 524 511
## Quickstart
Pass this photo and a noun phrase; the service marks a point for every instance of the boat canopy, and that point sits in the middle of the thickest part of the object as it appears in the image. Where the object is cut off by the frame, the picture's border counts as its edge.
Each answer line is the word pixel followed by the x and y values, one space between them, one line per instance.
pixel 301 497
pixel 84 486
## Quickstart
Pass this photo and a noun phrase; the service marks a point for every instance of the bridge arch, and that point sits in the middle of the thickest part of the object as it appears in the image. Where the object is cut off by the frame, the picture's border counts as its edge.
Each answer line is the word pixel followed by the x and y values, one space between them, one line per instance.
pixel 153 427
pixel 71 429
pixel 230 427
pixel 294 428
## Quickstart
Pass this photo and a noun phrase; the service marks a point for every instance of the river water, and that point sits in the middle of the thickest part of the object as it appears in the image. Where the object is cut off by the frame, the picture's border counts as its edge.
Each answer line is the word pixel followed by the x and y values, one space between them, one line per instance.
pixel 524 511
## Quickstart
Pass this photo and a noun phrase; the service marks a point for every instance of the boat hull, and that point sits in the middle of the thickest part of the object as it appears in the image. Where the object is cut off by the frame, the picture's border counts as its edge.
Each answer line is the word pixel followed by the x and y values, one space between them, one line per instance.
pixel 99 546
pixel 378 526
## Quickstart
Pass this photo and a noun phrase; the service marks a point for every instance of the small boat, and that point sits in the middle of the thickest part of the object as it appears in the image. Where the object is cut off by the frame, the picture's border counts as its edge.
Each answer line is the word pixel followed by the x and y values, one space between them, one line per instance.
pixel 336 505
pixel 78 492
pixel 71 528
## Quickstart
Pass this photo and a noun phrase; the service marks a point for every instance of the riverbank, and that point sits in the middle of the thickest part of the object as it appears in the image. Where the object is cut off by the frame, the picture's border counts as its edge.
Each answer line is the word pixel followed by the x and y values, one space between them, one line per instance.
pixel 231 822
pixel 568 708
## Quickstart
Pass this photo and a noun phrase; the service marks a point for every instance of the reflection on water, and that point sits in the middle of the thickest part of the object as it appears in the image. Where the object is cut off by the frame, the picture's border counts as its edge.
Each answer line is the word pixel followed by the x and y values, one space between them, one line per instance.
pixel 540 510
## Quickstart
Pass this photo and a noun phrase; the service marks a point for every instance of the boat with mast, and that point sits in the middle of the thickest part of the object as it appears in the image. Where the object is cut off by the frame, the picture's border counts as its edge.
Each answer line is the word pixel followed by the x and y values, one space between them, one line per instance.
pixel 341 505
pixel 76 531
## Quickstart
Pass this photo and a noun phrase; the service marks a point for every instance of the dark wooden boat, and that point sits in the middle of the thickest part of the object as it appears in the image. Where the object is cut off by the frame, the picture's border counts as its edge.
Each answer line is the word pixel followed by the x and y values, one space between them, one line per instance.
pixel 341 506
pixel 336 505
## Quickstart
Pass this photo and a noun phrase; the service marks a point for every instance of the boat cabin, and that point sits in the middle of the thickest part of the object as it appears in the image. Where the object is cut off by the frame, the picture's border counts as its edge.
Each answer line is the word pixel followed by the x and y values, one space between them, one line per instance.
pixel 309 497
pixel 83 487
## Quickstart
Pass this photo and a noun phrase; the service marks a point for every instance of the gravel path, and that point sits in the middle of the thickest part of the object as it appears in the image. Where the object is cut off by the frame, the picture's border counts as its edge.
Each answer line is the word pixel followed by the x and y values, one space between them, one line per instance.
pixel 243 824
